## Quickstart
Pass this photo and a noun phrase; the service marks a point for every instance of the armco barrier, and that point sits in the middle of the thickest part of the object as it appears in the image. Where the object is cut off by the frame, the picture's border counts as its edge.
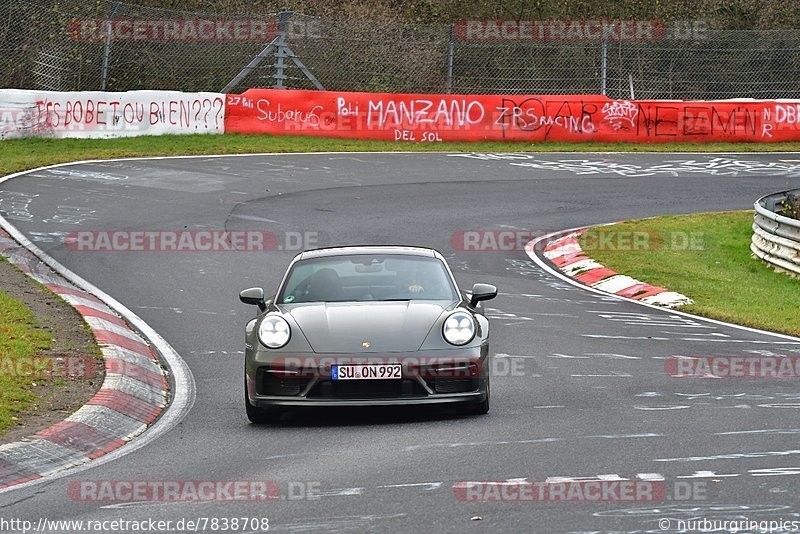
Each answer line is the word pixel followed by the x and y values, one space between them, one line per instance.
pixel 103 114
pixel 776 239
pixel 424 117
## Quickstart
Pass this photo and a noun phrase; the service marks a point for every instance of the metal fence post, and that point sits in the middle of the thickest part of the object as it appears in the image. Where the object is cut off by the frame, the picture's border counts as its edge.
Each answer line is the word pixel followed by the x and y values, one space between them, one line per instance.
pixel 450 52
pixel 107 47
pixel 603 65
pixel 280 48
pixel 281 51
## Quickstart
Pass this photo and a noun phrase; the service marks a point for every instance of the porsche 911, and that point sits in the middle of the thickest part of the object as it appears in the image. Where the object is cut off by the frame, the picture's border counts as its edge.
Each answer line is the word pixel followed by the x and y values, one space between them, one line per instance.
pixel 367 326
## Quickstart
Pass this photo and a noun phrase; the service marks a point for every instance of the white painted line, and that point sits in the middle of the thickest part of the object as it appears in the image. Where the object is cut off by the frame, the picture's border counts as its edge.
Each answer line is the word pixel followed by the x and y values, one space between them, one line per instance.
pixel 604 336
pixel 512 356
pixel 715 334
pixel 708 474
pixel 183 386
pixel 625 436
pixel 611 477
pixel 613 355
pixel 428 486
pixel 660 408
pixel 650 476
pixel 731 456
pixel 342 492
pixel 531 247
pixel 766 431
pixel 613 375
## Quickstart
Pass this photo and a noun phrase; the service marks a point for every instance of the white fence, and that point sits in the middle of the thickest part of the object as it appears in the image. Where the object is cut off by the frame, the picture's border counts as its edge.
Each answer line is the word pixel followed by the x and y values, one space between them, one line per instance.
pixel 96 114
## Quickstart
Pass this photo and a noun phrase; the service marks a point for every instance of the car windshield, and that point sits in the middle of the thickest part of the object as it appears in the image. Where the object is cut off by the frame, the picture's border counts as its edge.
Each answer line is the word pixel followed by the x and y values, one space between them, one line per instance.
pixel 368 277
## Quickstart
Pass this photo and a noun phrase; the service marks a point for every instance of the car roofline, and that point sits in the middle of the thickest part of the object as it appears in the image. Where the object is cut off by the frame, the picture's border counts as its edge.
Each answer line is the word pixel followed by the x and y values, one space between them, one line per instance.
pixel 350 250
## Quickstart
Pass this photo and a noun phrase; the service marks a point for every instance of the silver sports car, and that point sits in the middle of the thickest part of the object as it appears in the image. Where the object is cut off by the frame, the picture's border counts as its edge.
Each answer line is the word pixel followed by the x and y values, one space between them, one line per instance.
pixel 365 326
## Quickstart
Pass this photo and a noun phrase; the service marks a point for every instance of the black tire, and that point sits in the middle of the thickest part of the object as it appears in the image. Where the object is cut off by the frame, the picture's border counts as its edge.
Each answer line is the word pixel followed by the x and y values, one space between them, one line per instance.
pixel 260 416
pixel 482 407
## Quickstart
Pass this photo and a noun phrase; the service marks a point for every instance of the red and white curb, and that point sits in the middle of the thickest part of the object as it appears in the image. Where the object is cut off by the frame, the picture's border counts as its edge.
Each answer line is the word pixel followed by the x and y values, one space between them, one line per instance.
pixel 135 390
pixel 568 256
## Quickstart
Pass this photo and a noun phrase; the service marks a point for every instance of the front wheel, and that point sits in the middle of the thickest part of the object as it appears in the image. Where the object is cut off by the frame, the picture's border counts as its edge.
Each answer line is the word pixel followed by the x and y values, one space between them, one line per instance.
pixel 260 416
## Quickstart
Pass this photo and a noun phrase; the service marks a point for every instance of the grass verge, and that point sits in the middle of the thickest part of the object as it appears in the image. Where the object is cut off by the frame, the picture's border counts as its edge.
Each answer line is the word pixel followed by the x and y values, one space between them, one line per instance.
pixel 21 338
pixel 42 338
pixel 21 154
pixel 705 256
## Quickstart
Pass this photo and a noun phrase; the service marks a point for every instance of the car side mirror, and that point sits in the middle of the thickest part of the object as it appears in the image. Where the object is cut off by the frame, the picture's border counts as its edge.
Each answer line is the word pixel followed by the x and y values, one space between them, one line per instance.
pixel 255 296
pixel 482 292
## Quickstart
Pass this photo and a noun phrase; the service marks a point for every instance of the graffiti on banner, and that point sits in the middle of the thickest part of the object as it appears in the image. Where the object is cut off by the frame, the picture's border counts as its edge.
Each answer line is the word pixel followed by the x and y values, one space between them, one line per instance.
pixel 529 118
pixel 104 114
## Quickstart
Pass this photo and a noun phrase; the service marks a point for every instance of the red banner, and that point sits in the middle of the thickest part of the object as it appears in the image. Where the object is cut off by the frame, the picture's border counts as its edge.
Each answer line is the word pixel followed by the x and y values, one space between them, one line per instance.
pixel 532 118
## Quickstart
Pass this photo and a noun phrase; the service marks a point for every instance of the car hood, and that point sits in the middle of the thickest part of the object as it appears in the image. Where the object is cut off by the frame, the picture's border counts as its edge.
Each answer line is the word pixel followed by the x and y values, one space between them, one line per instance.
pixel 386 326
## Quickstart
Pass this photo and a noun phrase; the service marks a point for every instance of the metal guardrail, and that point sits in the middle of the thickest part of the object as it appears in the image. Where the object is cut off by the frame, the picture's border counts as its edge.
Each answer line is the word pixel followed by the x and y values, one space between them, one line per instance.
pixel 776 239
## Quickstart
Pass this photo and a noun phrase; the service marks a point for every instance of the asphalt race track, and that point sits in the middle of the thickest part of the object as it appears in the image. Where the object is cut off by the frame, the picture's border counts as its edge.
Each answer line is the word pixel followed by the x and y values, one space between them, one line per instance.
pixel 589 396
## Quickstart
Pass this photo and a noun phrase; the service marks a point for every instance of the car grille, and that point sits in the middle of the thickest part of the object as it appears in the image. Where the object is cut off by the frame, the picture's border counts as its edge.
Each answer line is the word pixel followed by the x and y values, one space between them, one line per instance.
pixel 453 385
pixel 274 384
pixel 367 389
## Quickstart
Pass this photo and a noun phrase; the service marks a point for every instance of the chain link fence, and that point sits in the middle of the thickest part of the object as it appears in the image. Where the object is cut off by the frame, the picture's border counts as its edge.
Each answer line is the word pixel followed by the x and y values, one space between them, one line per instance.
pixel 103 44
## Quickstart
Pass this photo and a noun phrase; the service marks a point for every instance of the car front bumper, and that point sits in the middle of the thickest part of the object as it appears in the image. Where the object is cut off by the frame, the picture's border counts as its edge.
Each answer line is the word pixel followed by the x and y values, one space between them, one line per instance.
pixel 439 377
pixel 262 401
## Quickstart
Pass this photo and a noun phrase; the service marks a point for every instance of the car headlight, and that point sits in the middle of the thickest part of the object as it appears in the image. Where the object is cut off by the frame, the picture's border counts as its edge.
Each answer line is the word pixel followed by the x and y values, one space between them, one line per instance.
pixel 274 332
pixel 459 328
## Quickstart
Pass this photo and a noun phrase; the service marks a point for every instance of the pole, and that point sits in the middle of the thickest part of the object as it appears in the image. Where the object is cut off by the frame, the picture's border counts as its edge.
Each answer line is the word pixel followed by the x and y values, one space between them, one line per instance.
pixel 450 52
pixel 280 50
pixel 630 82
pixel 603 63
pixel 107 47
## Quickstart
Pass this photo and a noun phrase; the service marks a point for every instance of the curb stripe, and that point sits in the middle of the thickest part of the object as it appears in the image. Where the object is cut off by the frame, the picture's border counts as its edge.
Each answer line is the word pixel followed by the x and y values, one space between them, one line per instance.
pixel 594 275
pixel 126 404
pixel 133 394
pixel 74 300
pixel 97 323
pixel 86 311
pixel 140 390
pixel 112 338
pixel 569 258
pixel 81 437
pixel 108 421
pixel 135 372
